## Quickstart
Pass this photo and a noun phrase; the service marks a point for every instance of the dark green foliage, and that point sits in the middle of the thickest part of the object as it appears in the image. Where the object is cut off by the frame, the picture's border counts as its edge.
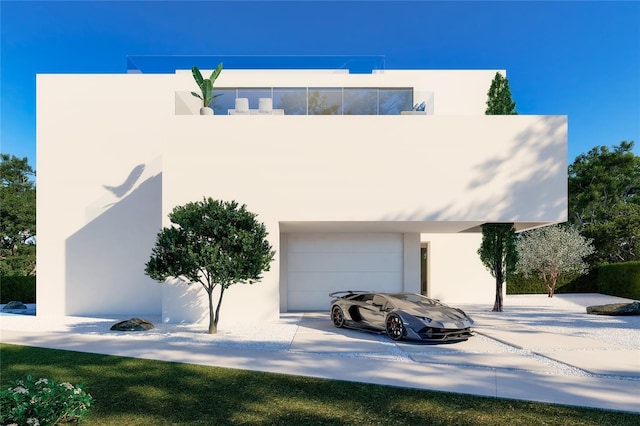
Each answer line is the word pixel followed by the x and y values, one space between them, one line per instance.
pixel 17 216
pixel 213 243
pixel 604 186
pixel 616 236
pixel 519 284
pixel 20 288
pixel 620 279
pixel 499 255
pixel 587 283
pixel 130 391
pixel 499 101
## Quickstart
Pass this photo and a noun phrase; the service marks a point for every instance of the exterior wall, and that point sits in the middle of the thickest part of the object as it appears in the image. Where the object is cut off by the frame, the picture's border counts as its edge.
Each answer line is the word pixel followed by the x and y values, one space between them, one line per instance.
pixel 431 171
pixel 408 174
pixel 93 242
pixel 356 174
pixel 456 273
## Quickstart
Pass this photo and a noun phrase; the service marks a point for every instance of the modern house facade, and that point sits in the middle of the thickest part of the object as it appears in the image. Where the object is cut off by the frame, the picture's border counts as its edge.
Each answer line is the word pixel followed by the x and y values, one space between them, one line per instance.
pixel 357 191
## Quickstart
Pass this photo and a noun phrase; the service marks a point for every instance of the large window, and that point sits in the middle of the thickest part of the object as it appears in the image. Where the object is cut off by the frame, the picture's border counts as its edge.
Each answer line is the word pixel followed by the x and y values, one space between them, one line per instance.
pixel 293 100
pixel 360 101
pixel 324 101
pixel 321 100
pixel 392 101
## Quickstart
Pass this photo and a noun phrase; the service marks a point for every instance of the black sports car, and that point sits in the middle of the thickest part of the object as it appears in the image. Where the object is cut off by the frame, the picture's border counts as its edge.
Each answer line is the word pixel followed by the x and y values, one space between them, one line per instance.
pixel 400 315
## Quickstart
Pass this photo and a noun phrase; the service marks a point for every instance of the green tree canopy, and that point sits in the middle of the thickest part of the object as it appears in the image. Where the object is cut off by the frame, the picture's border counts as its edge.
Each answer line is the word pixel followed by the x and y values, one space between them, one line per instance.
pixel 499 101
pixel 17 216
pixel 604 201
pixel 552 251
pixel 214 243
pixel 498 254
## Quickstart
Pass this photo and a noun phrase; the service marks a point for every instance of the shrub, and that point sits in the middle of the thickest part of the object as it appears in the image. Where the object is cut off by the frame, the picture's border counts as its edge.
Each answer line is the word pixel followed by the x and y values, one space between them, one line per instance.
pixel 21 288
pixel 43 402
pixel 519 284
pixel 587 283
pixel 620 279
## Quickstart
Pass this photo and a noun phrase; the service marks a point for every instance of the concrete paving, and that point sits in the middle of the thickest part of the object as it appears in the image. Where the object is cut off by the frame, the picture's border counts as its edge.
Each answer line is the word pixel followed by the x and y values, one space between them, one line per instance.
pixel 534 351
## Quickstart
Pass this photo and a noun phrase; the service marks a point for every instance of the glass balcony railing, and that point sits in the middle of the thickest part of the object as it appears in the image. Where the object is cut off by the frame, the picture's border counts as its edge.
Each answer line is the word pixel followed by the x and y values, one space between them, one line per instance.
pixel 164 64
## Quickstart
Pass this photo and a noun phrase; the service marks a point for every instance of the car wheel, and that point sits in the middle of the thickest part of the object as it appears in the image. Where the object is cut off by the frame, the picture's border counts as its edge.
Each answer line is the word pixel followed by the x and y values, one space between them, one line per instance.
pixel 395 329
pixel 337 316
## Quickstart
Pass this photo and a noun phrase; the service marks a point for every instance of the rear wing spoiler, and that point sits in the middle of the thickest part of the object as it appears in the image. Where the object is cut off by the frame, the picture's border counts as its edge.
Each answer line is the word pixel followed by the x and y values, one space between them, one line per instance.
pixel 345 293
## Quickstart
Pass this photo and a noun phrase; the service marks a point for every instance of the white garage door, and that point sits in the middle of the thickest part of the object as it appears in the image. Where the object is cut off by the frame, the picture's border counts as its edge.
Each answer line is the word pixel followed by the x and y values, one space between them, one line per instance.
pixel 318 264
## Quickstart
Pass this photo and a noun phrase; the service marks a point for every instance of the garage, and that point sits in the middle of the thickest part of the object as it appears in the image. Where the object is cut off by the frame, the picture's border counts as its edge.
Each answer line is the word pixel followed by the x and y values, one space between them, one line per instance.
pixel 319 263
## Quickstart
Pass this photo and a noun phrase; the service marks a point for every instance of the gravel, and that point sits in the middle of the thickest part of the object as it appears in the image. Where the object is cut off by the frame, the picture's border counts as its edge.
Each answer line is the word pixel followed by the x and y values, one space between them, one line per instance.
pixel 563 314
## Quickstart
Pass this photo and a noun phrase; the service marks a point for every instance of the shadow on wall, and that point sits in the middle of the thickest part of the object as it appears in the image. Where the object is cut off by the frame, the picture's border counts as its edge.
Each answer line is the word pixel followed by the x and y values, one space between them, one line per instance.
pixel 526 183
pixel 122 189
pixel 183 303
pixel 105 259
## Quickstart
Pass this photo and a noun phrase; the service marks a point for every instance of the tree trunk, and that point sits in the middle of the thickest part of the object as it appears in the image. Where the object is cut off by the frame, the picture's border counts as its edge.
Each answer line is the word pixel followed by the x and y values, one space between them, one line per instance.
pixel 551 285
pixel 217 316
pixel 497 306
pixel 213 325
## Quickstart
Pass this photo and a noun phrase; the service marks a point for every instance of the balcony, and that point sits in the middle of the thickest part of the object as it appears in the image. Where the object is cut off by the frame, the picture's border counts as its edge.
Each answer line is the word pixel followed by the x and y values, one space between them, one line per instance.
pixel 314 100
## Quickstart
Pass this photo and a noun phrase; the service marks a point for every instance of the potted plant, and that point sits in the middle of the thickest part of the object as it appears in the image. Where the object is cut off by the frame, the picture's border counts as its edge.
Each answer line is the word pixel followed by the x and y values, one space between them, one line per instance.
pixel 206 88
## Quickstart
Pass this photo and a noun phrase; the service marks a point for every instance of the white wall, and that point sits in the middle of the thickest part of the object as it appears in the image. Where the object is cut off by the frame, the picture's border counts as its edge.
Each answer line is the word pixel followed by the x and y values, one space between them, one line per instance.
pixel 396 175
pixel 367 168
pixel 92 241
pixel 456 273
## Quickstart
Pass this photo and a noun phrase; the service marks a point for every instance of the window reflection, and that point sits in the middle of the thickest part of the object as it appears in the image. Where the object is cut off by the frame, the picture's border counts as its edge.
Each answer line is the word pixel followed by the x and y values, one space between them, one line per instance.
pixel 320 101
pixel 360 101
pixel 292 100
pixel 325 101
pixel 223 103
pixel 392 101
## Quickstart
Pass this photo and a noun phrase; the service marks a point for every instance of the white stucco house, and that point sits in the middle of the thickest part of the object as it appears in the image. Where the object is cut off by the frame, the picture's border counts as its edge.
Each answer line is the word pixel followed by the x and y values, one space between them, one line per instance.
pixel 355 194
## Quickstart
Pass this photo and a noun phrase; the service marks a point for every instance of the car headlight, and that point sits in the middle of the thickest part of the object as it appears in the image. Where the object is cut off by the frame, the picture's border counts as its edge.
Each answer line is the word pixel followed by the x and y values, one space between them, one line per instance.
pixel 425 319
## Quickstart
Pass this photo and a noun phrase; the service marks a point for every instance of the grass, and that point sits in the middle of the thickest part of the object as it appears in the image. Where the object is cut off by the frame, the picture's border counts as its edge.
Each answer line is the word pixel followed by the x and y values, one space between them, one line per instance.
pixel 130 391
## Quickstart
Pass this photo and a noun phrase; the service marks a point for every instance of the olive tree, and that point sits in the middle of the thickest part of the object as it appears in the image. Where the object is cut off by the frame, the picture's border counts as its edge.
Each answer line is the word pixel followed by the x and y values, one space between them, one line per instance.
pixel 213 243
pixel 498 254
pixel 552 251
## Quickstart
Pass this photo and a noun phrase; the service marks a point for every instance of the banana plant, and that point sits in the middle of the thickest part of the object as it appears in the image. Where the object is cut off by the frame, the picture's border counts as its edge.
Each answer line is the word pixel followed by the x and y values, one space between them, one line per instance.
pixel 206 85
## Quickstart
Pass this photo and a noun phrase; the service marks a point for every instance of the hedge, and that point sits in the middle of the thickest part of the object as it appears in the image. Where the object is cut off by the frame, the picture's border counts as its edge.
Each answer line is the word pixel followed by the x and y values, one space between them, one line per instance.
pixel 616 279
pixel 620 279
pixel 20 288
pixel 519 284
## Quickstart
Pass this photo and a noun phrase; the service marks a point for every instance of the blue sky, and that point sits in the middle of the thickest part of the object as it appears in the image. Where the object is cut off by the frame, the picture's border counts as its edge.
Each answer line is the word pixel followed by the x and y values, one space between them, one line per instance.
pixel 579 58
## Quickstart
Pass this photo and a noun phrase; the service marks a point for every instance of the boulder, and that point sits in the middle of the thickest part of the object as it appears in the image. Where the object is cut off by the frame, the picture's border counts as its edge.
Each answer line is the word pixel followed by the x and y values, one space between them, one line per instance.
pixel 133 324
pixel 615 309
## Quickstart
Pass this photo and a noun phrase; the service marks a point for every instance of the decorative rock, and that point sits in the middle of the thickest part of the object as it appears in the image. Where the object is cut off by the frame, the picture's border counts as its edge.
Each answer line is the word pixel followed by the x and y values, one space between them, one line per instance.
pixel 615 309
pixel 133 324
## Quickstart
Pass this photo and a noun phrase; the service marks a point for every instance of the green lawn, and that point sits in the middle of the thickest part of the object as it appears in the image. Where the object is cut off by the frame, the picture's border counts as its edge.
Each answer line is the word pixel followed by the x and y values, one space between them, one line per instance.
pixel 129 391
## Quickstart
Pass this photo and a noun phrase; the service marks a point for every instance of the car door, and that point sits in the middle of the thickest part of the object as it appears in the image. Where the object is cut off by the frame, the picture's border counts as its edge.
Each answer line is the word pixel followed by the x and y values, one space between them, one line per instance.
pixel 372 311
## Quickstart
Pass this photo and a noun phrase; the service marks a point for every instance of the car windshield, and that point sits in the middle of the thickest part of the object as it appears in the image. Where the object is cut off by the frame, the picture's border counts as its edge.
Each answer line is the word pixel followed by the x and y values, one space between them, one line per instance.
pixel 404 300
